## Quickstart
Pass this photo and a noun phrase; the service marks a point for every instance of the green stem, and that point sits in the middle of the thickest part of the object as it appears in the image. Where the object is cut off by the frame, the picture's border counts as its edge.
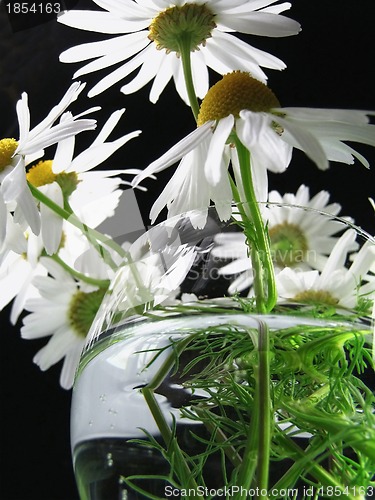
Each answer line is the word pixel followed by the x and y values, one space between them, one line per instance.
pixel 305 460
pixel 91 234
pixel 182 468
pixel 169 363
pixel 184 45
pixel 256 457
pixel 80 276
pixel 266 295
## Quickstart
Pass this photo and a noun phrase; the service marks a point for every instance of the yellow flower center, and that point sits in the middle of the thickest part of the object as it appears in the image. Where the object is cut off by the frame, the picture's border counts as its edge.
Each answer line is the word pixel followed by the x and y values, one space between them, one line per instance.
pixel 320 297
pixel 82 310
pixel 41 174
pixel 234 92
pixel 7 149
pixel 190 24
pixel 288 244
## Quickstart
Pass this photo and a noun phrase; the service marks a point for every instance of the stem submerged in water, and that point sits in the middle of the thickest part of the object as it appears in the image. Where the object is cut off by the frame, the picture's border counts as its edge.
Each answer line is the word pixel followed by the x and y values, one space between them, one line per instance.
pixel 256 458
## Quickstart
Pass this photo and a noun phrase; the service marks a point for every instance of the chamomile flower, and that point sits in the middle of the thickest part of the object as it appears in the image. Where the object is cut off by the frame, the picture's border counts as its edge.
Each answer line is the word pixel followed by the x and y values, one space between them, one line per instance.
pixel 152 33
pixel 15 155
pixel 335 285
pixel 22 263
pixel 64 310
pixel 92 196
pixel 302 231
pixel 242 106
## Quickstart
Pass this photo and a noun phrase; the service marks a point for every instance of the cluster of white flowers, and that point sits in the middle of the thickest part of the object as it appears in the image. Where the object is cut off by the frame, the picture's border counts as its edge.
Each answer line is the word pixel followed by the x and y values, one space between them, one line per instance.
pixel 55 266
pixel 311 260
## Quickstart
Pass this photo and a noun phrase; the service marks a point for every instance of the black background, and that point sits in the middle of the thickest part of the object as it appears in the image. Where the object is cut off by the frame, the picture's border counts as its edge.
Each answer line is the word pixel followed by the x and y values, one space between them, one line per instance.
pixel 330 64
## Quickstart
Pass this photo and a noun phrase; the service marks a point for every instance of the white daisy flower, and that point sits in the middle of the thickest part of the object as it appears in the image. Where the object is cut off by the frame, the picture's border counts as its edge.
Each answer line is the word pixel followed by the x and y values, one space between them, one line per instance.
pixel 64 310
pixel 16 155
pixel 243 107
pixel 151 33
pixel 302 234
pixel 335 285
pixel 92 196
pixel 20 265
pixel 303 230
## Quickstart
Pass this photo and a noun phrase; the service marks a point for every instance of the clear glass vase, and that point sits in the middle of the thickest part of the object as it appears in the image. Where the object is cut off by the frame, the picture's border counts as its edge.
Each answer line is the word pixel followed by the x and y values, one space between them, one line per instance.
pixel 184 390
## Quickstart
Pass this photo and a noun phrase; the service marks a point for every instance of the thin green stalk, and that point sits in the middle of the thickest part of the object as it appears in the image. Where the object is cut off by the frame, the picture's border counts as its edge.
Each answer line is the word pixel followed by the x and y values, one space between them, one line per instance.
pixel 219 437
pixel 169 363
pixel 264 265
pixel 237 198
pixel 170 440
pixel 184 472
pixel 92 234
pixel 184 45
pixel 80 276
pixel 306 459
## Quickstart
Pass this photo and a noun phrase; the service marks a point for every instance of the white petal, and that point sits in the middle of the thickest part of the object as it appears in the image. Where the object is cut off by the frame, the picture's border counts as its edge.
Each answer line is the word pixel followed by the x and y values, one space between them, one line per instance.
pixel 216 149
pixel 200 73
pixel 323 115
pixel 162 78
pixel 239 49
pixel 57 133
pixel 23 115
pixel 129 9
pixel 96 155
pixel 13 280
pixel 70 365
pixel 121 72
pixel 92 50
pixel 127 47
pixel 305 141
pixel 223 61
pixel 3 221
pixel 338 256
pixel 262 23
pixel 179 150
pixel 51 222
pixel 70 96
pixel 108 127
pixel 14 188
pixel 146 73
pixel 100 22
pixel 267 148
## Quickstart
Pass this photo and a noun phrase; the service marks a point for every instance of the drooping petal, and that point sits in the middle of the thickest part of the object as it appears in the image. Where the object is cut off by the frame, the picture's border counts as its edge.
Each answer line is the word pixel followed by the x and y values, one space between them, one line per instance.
pixel 14 189
pixel 216 149
pixel 179 150
pixel 301 138
pixel 51 222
